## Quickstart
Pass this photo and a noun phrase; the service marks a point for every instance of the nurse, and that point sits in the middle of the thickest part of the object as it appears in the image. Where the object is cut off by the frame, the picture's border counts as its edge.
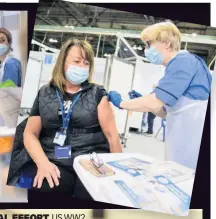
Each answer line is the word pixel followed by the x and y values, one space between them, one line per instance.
pixel 181 95
pixel 10 67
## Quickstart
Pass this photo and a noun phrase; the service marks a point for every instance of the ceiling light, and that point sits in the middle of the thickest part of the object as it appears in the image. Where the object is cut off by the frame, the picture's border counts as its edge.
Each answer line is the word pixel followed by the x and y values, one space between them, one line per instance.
pixel 135 47
pixel 125 49
pixel 53 40
pixel 139 48
pixel 68 26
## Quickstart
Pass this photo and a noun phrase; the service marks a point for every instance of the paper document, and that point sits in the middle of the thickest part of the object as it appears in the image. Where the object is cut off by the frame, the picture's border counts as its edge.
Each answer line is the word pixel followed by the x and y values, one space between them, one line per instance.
pixel 132 166
pixel 10 99
pixel 171 170
pixel 136 167
pixel 159 194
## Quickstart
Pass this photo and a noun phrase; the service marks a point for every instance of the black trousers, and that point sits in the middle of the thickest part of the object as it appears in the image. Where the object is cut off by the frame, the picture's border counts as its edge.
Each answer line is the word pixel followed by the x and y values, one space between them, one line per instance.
pixel 151 118
pixel 69 183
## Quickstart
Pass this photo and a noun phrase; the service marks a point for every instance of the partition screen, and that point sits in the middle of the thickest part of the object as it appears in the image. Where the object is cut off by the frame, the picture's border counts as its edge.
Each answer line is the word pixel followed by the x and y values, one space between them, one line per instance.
pixel 121 71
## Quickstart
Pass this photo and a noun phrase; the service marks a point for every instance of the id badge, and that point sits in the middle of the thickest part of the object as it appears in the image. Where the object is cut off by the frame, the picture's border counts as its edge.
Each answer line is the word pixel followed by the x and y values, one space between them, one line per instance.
pixel 59 138
pixel 62 152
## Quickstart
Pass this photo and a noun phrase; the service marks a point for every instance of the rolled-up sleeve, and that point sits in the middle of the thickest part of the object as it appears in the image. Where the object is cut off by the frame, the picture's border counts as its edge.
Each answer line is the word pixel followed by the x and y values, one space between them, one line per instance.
pixel 101 93
pixel 178 76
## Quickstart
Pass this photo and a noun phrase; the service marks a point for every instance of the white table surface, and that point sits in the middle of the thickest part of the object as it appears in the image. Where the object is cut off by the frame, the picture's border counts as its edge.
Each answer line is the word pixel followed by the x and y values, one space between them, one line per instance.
pixel 103 189
pixel 6 131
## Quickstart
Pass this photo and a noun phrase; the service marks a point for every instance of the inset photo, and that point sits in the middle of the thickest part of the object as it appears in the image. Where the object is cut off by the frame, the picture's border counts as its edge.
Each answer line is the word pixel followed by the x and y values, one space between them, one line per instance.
pixel 13 62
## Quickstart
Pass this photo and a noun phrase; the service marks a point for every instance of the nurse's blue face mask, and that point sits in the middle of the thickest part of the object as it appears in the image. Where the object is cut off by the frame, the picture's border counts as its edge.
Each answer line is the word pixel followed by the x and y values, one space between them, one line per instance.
pixel 76 75
pixel 3 49
pixel 153 55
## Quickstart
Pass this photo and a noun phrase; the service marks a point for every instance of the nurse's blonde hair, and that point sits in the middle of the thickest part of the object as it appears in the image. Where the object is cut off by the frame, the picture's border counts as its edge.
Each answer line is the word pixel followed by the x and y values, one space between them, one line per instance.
pixel 165 32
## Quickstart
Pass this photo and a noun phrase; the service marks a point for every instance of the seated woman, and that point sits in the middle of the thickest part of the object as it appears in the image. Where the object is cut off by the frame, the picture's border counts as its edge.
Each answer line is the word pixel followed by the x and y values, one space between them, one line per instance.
pixel 91 124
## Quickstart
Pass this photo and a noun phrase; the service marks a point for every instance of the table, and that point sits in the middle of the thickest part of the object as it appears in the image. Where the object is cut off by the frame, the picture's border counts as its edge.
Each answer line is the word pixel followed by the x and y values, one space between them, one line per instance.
pixel 6 131
pixel 103 189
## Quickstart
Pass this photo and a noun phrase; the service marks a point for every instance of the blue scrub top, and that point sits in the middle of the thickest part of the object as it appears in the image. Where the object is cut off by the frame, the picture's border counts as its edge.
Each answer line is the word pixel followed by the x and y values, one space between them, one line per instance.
pixel 12 71
pixel 185 75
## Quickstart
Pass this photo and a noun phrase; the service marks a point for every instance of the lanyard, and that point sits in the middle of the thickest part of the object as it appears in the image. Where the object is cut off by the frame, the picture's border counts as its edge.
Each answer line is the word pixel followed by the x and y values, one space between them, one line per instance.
pixel 66 118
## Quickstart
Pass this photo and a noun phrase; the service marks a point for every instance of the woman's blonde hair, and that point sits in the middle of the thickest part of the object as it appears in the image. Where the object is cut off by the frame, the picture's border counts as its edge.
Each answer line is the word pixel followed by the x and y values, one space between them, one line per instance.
pixel 165 32
pixel 58 74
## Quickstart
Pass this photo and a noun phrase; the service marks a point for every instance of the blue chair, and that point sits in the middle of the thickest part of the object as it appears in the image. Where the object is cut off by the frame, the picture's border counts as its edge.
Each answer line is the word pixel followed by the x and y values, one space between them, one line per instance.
pixel 163 126
pixel 25 180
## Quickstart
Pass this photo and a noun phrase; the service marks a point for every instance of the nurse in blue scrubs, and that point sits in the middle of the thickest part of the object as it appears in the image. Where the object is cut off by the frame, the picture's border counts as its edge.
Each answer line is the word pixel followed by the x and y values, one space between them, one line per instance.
pixel 10 67
pixel 181 96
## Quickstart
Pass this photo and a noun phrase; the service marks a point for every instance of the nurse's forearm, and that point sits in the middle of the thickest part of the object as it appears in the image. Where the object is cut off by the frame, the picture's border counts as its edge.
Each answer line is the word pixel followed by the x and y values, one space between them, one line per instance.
pixel 139 105
pixel 34 148
pixel 148 103
pixel 162 114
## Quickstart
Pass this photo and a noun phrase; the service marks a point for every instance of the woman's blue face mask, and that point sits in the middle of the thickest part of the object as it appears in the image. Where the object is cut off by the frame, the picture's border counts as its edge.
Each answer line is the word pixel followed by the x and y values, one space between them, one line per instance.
pixel 76 75
pixel 154 56
pixel 3 49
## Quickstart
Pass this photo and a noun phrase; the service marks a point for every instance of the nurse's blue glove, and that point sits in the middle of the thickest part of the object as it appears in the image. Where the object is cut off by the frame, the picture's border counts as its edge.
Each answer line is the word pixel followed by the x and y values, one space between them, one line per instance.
pixel 133 94
pixel 115 98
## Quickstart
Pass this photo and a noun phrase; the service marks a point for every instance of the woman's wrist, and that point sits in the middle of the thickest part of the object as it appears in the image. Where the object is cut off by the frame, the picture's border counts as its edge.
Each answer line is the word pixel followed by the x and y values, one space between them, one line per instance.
pixel 115 146
pixel 42 162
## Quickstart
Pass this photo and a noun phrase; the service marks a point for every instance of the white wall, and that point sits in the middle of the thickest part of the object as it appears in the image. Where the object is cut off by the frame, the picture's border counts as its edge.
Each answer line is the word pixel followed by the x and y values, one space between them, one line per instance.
pixel 99 70
pixel 146 75
pixel 121 78
pixel 32 81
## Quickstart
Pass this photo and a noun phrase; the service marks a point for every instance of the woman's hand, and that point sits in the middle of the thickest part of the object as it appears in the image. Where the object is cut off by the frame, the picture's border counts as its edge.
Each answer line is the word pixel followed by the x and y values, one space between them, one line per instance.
pixel 49 171
pixel 46 169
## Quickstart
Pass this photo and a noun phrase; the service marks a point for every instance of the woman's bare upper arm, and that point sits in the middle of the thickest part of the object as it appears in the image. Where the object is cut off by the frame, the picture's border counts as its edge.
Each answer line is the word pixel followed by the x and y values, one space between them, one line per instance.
pixel 105 113
pixel 34 125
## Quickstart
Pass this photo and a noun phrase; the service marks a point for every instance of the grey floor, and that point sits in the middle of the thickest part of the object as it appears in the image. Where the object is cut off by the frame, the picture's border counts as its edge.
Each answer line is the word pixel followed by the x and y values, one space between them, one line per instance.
pixel 149 146
pixel 137 143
